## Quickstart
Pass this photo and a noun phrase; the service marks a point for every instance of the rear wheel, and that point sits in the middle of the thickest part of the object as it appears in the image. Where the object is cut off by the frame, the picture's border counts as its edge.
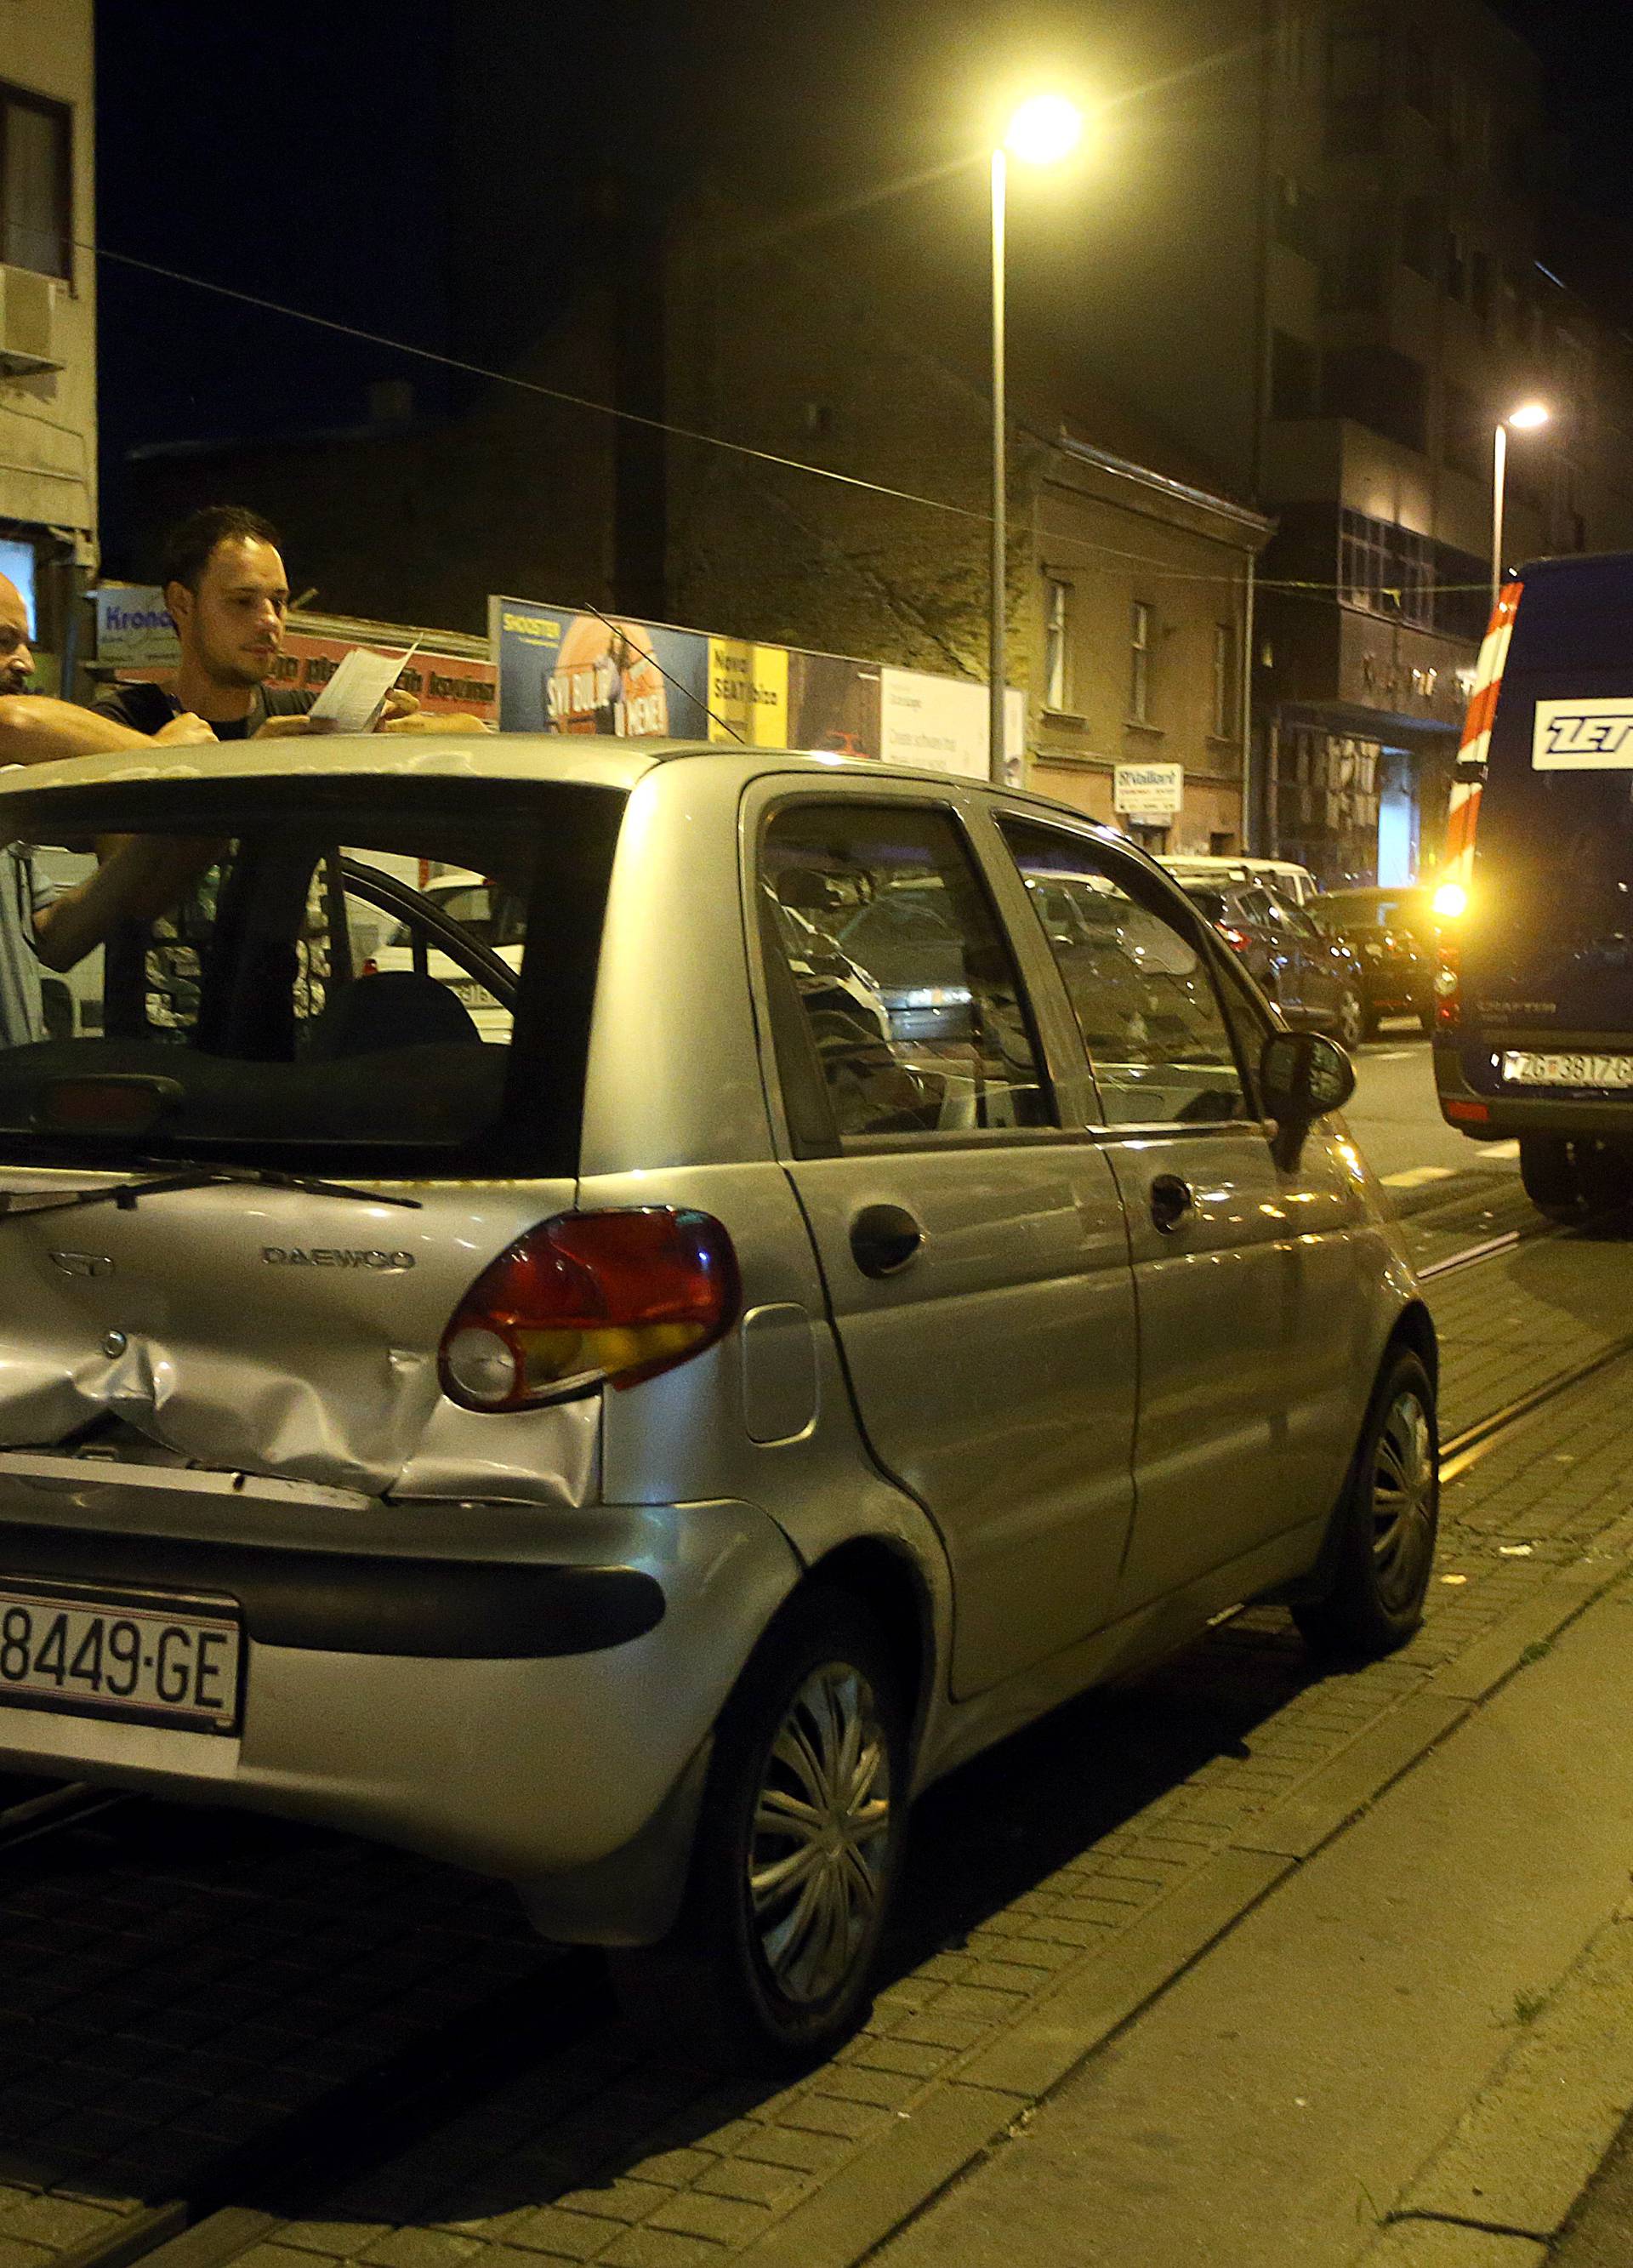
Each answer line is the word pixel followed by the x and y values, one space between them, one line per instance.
pixel 1605 1173
pixel 1352 1018
pixel 1387 1523
pixel 1547 1168
pixel 798 1849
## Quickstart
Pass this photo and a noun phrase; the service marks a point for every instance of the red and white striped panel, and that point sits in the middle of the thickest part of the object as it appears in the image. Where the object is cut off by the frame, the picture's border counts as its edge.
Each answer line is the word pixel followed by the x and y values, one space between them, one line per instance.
pixel 1463 814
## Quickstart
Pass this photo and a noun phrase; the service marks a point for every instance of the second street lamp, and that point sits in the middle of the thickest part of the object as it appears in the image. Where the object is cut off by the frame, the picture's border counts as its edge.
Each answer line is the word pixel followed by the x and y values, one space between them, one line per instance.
pixel 1040 132
pixel 1527 418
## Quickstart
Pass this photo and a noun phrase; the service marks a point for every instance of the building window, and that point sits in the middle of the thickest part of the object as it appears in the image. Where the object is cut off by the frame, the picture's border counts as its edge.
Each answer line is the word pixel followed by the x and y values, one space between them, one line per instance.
pixel 1386 570
pixel 36 183
pixel 1298 222
pixel 1223 681
pixel 1421 237
pixel 1139 664
pixel 1466 434
pixel 1294 377
pixel 1380 388
pixel 1056 620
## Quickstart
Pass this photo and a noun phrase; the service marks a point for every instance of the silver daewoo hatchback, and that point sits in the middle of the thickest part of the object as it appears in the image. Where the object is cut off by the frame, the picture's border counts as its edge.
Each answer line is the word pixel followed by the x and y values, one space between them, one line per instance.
pixel 625 1410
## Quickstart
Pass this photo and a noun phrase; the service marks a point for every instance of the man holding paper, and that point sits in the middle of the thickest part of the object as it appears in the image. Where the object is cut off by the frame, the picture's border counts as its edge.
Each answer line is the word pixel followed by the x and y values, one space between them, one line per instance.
pixel 228 596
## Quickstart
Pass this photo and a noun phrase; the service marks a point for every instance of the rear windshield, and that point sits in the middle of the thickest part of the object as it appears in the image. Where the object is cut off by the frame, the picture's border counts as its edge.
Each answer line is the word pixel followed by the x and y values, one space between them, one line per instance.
pixel 1352 909
pixel 382 975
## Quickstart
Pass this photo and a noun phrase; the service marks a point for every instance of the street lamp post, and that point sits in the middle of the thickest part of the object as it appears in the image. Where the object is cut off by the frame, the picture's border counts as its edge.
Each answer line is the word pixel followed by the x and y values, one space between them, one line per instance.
pixel 1040 132
pixel 1526 419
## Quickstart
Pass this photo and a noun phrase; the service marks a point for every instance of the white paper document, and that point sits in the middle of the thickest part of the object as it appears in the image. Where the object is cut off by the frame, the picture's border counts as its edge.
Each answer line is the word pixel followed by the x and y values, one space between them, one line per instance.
pixel 355 695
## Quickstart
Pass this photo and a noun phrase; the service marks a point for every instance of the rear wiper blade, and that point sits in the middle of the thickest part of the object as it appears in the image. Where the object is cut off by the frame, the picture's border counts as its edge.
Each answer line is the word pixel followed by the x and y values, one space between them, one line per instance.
pixel 125 1194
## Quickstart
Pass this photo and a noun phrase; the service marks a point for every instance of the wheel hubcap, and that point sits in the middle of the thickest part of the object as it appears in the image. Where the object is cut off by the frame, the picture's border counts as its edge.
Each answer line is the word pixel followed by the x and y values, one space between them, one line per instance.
pixel 820 1834
pixel 1404 1500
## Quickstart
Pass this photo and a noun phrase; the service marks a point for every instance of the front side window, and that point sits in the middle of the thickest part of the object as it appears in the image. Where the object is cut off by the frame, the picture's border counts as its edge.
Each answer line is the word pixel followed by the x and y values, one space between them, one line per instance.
pixel 319 974
pixel 906 989
pixel 1139 983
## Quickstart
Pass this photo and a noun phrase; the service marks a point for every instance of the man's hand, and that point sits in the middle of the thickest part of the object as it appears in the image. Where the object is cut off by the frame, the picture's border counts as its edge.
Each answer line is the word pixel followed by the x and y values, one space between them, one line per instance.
pixel 287 728
pixel 186 731
pixel 398 702
pixel 444 722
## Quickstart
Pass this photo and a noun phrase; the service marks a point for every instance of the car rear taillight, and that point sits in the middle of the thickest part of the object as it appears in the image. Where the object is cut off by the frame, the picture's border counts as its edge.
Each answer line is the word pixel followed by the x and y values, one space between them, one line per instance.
pixel 1238 939
pixel 1448 986
pixel 590 1298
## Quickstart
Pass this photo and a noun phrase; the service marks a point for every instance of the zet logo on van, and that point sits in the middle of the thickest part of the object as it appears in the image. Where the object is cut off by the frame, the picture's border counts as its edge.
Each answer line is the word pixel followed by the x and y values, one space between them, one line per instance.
pixel 1582 736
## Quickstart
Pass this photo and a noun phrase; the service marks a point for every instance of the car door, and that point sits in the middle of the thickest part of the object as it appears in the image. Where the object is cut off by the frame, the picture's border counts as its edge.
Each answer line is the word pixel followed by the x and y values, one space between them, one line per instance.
pixel 973 1248
pixel 1250 1314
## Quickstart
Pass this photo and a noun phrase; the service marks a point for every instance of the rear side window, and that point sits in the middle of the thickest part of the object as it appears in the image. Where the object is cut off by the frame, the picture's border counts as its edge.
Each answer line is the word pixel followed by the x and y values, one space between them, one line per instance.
pixel 907 993
pixel 281 978
pixel 1158 1038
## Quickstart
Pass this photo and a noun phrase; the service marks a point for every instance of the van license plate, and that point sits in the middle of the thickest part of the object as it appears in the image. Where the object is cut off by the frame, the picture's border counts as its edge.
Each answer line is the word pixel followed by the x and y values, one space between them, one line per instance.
pixel 1527 1069
pixel 137 1655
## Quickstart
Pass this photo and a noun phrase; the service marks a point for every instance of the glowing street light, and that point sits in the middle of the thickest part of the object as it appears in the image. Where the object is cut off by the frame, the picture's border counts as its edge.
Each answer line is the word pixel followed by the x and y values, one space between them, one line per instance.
pixel 1042 131
pixel 1529 417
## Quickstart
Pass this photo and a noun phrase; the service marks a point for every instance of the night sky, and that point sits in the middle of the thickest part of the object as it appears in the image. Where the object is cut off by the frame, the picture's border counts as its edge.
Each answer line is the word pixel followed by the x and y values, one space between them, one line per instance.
pixel 315 156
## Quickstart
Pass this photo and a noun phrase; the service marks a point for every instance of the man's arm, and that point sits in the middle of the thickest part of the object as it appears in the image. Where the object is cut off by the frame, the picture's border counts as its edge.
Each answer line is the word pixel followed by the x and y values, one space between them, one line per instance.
pixel 141 877
pixel 36 730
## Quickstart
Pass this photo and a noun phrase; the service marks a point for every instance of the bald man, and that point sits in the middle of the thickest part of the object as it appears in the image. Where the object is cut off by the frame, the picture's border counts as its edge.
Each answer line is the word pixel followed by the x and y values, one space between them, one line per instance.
pixel 22 1013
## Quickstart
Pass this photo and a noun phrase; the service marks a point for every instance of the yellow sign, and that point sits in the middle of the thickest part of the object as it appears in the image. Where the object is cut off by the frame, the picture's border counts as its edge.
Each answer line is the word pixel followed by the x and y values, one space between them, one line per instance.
pixel 749 693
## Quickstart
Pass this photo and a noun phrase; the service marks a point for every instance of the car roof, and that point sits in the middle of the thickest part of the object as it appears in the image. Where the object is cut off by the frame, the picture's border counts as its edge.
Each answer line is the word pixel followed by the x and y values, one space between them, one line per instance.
pixel 586 759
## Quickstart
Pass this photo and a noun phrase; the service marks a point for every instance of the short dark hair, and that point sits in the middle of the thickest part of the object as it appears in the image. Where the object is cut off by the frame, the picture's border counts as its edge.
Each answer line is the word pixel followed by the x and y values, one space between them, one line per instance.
pixel 189 544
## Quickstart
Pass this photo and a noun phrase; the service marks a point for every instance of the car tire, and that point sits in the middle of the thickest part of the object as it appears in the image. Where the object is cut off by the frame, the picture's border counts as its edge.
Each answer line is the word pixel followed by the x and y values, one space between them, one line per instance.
pixel 1426 1021
pixel 1350 1024
pixel 1372 1024
pixel 1550 1176
pixel 1383 1543
pixel 771 1975
pixel 1604 1174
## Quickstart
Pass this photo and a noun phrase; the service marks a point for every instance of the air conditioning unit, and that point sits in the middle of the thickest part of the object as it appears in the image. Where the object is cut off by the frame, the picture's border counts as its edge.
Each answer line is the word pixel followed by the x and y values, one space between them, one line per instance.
pixel 27 323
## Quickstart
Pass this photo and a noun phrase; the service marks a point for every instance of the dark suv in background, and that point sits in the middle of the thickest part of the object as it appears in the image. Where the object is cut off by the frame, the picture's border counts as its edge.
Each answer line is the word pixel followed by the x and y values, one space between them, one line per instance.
pixel 1391 933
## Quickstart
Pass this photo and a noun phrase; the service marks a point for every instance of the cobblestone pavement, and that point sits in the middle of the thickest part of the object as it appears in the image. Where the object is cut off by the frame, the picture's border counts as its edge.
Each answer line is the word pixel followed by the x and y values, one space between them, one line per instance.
pixel 1028 1868
pixel 175 1985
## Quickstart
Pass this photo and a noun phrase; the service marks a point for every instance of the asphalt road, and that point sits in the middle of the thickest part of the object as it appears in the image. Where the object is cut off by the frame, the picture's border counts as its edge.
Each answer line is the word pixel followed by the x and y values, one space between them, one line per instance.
pixel 1398 1123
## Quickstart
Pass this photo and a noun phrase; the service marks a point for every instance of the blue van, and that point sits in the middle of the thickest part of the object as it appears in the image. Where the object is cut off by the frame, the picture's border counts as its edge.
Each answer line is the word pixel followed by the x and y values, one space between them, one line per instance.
pixel 1533 1014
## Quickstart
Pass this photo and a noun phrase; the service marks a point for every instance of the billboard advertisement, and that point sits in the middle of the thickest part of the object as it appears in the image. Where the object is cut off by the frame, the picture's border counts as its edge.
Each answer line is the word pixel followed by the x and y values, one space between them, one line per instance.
pixel 941 724
pixel 566 672
pixel 561 671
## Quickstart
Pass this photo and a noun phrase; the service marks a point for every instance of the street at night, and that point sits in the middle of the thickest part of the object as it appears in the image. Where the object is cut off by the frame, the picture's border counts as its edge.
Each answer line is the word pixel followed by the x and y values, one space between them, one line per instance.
pixel 816 1135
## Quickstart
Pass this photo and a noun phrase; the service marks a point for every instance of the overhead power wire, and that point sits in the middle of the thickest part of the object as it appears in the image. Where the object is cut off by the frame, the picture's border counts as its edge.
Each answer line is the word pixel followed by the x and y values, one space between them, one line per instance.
pixel 1155 569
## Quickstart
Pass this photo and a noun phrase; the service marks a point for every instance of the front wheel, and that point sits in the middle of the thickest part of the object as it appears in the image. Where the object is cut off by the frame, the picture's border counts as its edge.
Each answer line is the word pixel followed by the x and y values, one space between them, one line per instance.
pixel 1386 1523
pixel 1350 1023
pixel 799 1848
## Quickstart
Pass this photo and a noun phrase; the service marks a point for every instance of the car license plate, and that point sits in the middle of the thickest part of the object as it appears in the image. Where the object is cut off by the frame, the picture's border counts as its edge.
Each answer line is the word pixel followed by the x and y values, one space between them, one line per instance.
pixel 1523 1069
pixel 138 1655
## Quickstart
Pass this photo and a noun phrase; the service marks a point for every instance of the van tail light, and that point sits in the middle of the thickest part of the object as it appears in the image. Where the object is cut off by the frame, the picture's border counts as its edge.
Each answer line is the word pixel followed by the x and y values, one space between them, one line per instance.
pixel 586 1300
pixel 1448 986
pixel 1238 939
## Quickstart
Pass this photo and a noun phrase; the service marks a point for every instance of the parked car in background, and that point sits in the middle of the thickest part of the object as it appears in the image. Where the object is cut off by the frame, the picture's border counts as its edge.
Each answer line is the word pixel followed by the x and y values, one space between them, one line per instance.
pixel 614 1388
pixel 1392 933
pixel 1314 980
pixel 1295 883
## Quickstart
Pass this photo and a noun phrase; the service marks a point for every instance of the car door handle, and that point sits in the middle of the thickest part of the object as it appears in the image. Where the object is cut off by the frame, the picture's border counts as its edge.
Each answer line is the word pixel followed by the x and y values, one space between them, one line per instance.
pixel 1172 1202
pixel 884 1239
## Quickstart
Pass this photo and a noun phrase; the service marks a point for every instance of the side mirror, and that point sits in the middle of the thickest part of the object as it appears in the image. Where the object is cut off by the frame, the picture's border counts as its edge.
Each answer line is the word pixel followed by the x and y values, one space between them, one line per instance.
pixel 1301 1078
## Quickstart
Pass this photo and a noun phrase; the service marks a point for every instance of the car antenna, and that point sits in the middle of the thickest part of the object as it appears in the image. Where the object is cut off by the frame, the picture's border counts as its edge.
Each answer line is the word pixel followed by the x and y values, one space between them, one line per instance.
pixel 726 727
